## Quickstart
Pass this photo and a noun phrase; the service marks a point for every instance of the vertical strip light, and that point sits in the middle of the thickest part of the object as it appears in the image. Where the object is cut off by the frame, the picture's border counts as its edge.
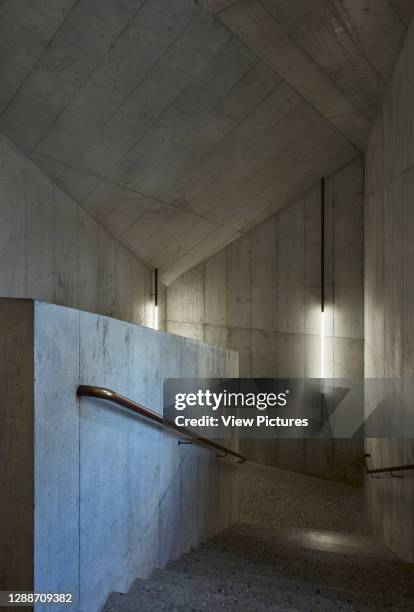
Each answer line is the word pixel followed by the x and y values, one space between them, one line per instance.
pixel 322 277
pixel 156 298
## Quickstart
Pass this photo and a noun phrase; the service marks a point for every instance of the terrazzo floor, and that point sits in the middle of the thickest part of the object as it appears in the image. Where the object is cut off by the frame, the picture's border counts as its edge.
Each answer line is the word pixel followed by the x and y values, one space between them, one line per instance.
pixel 301 543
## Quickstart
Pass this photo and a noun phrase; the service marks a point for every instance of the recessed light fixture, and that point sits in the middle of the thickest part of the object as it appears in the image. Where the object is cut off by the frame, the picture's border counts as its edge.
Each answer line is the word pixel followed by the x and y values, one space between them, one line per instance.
pixel 156 298
pixel 322 278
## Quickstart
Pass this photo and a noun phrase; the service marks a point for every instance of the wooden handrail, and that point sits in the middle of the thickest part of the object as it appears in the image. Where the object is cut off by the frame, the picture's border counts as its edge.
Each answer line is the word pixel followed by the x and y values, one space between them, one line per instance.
pixel 385 470
pixel 116 398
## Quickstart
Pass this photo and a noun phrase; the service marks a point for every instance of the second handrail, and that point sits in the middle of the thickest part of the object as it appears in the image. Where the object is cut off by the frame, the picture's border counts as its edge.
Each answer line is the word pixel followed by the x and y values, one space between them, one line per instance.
pixel 386 470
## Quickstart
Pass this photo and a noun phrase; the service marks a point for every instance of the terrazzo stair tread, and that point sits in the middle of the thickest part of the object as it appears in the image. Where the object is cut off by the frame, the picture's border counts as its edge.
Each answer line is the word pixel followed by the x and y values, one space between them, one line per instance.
pixel 315 564
pixel 275 550
pixel 275 585
pixel 321 559
pixel 152 596
pixel 263 591
pixel 363 546
pixel 291 536
pixel 382 597
pixel 269 550
pixel 309 572
pixel 123 602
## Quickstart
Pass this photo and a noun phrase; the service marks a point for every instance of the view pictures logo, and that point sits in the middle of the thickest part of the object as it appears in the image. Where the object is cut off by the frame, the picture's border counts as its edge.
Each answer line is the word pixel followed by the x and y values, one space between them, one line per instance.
pixel 227 399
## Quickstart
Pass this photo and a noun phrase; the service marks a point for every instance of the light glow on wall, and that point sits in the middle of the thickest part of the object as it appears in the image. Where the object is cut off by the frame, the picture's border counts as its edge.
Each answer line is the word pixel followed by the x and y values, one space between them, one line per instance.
pixel 155 317
pixel 322 344
pixel 155 294
pixel 322 277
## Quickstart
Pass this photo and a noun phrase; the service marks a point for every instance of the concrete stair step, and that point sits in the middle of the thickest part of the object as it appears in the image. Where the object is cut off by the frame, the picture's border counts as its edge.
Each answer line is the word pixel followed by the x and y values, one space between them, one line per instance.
pixel 205 561
pixel 357 545
pixel 271 553
pixel 324 551
pixel 265 591
pixel 294 564
pixel 310 548
pixel 152 596
pixel 303 564
pixel 384 599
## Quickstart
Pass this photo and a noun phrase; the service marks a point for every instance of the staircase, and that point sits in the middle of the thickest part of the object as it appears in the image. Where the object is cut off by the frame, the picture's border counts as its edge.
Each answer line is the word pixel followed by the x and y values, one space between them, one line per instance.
pixel 301 544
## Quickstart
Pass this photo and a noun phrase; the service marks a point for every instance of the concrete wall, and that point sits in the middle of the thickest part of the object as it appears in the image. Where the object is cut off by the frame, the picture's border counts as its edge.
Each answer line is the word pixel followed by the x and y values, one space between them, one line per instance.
pixel 16 451
pixel 113 496
pixel 389 298
pixel 52 250
pixel 261 297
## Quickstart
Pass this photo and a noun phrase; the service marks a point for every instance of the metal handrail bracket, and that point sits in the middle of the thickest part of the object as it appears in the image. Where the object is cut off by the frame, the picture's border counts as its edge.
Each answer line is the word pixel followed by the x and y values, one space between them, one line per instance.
pixel 187 435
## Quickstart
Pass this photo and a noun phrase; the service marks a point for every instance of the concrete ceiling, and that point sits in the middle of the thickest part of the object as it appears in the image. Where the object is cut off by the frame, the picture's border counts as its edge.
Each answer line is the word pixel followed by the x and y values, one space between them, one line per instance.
pixel 179 125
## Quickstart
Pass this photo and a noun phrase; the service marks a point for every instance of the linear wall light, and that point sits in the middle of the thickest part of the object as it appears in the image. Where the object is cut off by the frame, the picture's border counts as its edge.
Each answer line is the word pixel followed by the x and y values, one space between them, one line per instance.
pixel 156 298
pixel 322 277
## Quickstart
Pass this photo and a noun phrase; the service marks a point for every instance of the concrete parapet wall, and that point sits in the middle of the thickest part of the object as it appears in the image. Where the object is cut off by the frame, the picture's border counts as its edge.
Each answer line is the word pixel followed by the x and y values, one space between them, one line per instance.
pixel 114 496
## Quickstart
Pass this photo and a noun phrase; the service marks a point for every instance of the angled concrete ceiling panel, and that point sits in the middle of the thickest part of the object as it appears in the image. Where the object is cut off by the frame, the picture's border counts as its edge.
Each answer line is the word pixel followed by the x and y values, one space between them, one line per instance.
pixel 179 125
pixel 404 9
